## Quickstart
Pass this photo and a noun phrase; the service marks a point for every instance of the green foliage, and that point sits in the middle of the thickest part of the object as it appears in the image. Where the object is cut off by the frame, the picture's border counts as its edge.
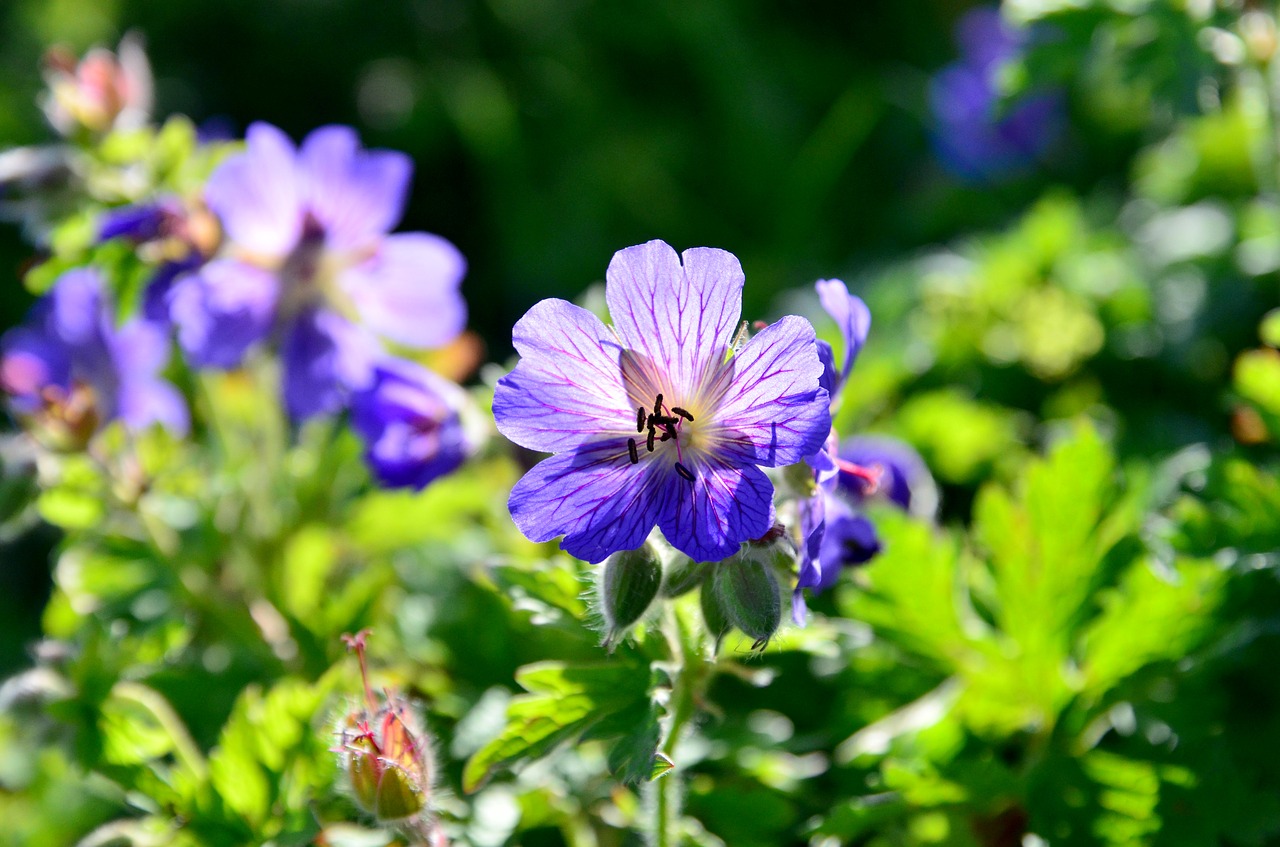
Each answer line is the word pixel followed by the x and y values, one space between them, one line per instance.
pixel 567 701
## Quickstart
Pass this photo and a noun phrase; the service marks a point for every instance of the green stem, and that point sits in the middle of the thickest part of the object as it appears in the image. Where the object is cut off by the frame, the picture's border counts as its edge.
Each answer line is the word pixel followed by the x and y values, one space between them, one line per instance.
pixel 690 675
pixel 184 747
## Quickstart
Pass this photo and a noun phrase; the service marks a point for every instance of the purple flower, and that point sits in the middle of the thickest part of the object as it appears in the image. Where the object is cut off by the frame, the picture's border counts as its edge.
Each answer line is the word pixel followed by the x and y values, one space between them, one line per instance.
pixel 310 266
pixel 73 361
pixel 977 135
pixel 817 570
pixel 409 420
pixel 657 420
pixel 904 478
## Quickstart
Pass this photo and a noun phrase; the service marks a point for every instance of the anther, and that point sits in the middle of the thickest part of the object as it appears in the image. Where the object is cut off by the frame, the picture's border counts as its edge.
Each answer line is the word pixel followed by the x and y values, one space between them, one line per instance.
pixel 684 472
pixel 649 443
pixel 640 416
pixel 657 406
pixel 666 435
pixel 635 453
pixel 684 413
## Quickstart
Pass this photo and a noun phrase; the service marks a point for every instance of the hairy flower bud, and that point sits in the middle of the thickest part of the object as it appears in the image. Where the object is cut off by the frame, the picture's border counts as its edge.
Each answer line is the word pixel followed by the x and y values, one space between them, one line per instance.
pixel 385 752
pixel 747 590
pixel 629 582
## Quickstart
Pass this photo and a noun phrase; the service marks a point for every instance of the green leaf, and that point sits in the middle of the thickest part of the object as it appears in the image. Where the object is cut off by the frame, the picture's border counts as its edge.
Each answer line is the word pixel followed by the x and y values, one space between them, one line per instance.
pixel 1150 617
pixel 271 759
pixel 564 701
pixel 308 559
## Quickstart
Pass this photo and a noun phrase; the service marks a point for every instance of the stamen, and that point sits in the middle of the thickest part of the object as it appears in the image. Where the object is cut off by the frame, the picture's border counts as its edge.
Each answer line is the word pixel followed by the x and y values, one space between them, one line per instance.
pixel 657 406
pixel 640 419
pixel 684 413
pixel 684 472
pixel 869 477
pixel 631 448
pixel 666 435
pixel 649 443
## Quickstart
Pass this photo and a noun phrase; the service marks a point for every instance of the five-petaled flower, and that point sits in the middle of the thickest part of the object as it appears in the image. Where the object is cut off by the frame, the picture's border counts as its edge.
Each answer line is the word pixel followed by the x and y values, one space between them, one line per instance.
pixel 658 420
pixel 311 267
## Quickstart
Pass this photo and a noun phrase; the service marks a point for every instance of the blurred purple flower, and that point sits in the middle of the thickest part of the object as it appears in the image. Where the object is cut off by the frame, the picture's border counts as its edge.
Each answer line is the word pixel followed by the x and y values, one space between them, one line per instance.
pixel 977 135
pixel 409 420
pixel 311 267
pixel 655 421
pixel 71 359
pixel 834 532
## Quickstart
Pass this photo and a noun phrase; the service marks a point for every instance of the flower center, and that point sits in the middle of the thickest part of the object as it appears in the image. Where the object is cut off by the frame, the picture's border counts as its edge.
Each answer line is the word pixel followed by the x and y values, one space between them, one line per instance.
pixel 662 424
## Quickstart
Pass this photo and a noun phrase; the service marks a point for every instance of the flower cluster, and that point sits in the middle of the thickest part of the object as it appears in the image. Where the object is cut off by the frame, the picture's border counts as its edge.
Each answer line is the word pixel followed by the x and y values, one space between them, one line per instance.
pixel 281 252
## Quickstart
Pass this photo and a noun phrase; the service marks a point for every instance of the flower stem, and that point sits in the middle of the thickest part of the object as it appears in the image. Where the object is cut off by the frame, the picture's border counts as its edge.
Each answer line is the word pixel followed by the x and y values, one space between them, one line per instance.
pixel 690 675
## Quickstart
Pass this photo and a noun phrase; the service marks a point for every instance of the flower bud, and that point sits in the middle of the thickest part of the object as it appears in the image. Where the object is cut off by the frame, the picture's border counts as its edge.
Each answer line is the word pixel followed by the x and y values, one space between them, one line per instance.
pixel 101 92
pixel 629 583
pixel 385 752
pixel 747 590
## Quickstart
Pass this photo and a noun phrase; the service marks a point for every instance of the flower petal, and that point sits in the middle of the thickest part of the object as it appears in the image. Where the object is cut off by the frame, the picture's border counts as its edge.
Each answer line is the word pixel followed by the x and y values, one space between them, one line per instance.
pixel 408 419
pixel 773 412
pixel 408 290
pixel 850 314
pixel 256 193
pixel 147 400
pixel 568 387
pixel 594 497
pixel 709 518
pixel 31 360
pixel 325 358
pixel 850 539
pixel 680 318
pixel 906 480
pixel 221 309
pixel 356 195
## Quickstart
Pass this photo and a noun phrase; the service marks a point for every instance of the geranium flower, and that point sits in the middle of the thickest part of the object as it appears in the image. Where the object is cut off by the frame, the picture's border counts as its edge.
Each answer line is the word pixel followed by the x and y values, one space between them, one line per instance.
pixel 310 265
pixel 411 425
pixel 977 135
pixel 658 420
pixel 72 363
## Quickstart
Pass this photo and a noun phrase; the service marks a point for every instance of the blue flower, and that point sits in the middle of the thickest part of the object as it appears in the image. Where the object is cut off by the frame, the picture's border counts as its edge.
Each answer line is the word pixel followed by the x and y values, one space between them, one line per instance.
pixel 833 531
pixel 72 363
pixel 977 135
pixel 410 422
pixel 657 420
pixel 310 265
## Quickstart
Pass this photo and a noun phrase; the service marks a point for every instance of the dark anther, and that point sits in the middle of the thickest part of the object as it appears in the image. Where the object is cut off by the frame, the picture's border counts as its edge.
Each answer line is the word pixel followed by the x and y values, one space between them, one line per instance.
pixel 684 472
pixel 640 419
pixel 631 448
pixel 662 420
pixel 657 406
pixel 684 413
pixel 666 435
pixel 649 443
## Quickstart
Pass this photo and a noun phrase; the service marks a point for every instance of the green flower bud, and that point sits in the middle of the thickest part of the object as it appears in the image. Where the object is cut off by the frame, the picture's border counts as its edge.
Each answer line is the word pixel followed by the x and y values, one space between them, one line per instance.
pixel 629 582
pixel 683 575
pixel 748 591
